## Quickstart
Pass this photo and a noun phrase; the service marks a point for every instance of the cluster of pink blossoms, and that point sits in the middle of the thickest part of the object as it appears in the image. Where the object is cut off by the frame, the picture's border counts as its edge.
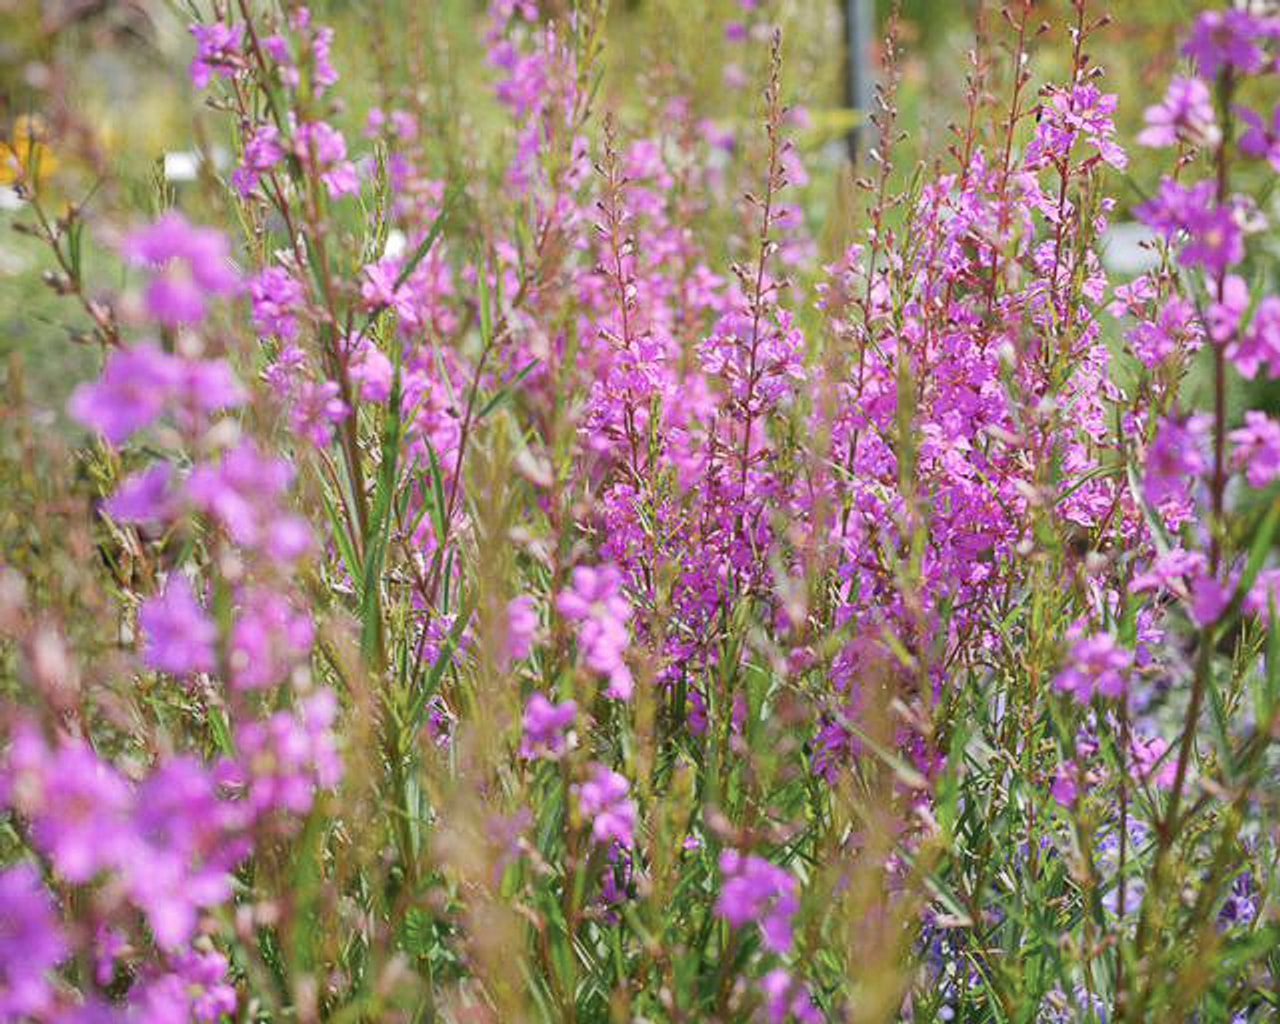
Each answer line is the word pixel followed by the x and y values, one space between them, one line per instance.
pixel 163 844
pixel 968 412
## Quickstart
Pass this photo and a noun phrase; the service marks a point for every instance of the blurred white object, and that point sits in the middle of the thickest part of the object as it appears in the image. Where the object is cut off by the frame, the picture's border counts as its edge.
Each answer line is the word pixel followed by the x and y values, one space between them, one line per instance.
pixel 1129 248
pixel 184 164
pixel 181 166
pixel 395 244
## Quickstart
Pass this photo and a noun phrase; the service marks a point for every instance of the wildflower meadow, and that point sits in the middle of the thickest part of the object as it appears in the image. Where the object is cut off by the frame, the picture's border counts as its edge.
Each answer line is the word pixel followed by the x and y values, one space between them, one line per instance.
pixel 515 519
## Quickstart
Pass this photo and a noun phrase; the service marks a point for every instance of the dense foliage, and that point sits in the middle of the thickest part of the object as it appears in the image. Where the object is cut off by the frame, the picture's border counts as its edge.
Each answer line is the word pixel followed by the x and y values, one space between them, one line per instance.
pixel 506 573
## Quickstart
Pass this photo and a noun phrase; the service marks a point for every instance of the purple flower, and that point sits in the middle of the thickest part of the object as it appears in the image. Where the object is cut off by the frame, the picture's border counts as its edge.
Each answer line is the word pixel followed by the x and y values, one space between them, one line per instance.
pixel 262 151
pixel 1215 240
pixel 1209 599
pixel 378 288
pixel 217 50
pixel 1225 39
pixel 1174 204
pixel 180 850
pixel 241 490
pixel 1070 114
pixel 1265 589
pixel 1176 458
pixel 284 759
pixel 522 623
pixel 1151 762
pixel 196 989
pixel 76 803
pixel 1258 139
pixel 1168 570
pixel 1095 664
pixel 205 386
pixel 178 637
pixel 109 945
pixel 603 798
pixel 1257 447
pixel 1259 345
pixel 372 370
pixel 268 638
pixel 1185 114
pixel 323 147
pixel 755 890
pixel 322 70
pixel 147 496
pixel 31 943
pixel 277 295
pixel 203 981
pixel 1064 785
pixel 544 726
pixel 1224 317
pixel 787 998
pixel 188 263
pixel 276 47
pixel 595 601
pixel 135 385
pixel 314 410
pixel 1176 327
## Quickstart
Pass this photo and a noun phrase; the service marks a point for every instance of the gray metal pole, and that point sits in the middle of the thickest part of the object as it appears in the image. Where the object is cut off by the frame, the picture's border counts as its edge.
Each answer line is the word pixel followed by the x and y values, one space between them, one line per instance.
pixel 858 87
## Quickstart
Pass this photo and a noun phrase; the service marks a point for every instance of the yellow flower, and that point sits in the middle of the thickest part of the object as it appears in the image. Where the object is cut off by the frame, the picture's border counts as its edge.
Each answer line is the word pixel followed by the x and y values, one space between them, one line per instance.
pixel 25 157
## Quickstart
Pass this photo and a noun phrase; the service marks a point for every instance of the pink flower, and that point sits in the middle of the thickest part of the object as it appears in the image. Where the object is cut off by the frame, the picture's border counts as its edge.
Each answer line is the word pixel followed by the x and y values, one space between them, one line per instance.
pixel 31 943
pixel 1259 345
pixel 1257 447
pixel 262 151
pixel 372 370
pixel 755 891
pixel 1215 241
pixel 268 638
pixel 1095 664
pixel 595 601
pixel 77 804
pixel 604 799
pixel 1224 317
pixel 217 51
pixel 1168 570
pixel 1225 38
pixel 544 726
pixel 1175 459
pixel 282 760
pixel 787 998
pixel 522 624
pixel 277 296
pixel 135 385
pixel 1176 328
pixel 178 636
pixel 1185 114
pixel 1209 599
pixel 240 491
pixel 322 146
pixel 1151 762
pixel 187 264
pixel 144 497
pixel 1064 785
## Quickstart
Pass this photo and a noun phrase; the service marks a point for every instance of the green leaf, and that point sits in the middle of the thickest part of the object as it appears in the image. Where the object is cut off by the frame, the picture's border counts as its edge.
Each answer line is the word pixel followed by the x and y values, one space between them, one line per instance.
pixel 345 548
pixel 1272 690
pixel 506 390
pixel 443 659
pixel 437 493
